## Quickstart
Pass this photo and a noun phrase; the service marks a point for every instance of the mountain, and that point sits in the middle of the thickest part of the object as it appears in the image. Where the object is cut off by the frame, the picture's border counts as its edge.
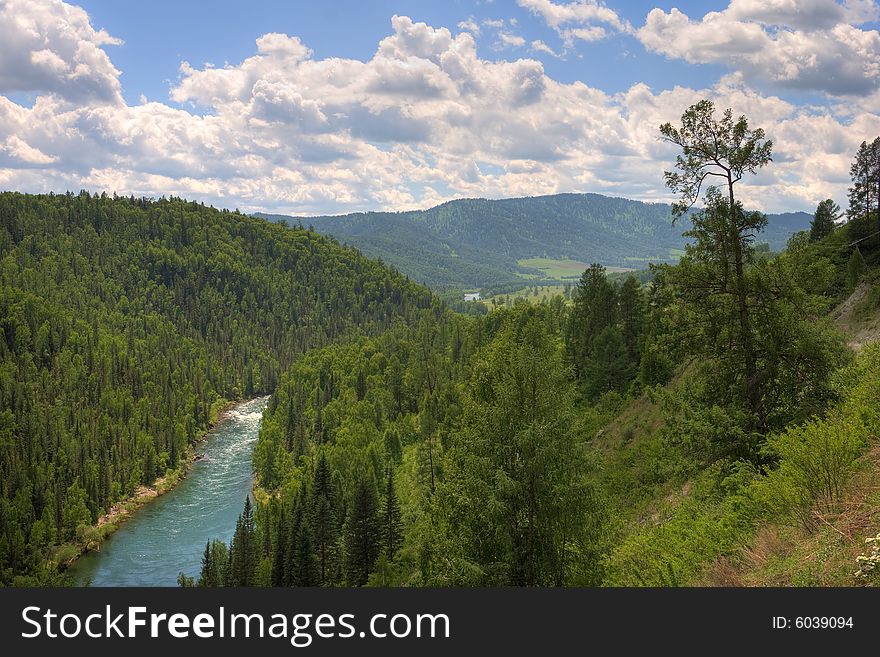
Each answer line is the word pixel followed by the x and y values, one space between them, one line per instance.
pixel 125 324
pixel 480 242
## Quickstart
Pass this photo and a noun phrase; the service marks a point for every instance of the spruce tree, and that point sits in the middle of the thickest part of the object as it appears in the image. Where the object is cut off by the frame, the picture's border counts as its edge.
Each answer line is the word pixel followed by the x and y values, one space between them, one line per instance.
pixel 361 534
pixel 827 212
pixel 862 199
pixel 323 521
pixel 392 533
pixel 281 552
pixel 611 367
pixel 214 561
pixel 593 311
pixel 631 310
pixel 243 552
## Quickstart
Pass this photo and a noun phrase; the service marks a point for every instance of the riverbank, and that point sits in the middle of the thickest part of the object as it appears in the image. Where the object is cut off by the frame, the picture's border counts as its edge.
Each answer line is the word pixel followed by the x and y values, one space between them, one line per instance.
pixel 94 535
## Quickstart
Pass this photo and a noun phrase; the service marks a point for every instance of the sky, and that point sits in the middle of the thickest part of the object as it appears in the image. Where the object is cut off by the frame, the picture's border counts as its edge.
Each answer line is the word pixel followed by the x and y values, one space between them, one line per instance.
pixel 325 108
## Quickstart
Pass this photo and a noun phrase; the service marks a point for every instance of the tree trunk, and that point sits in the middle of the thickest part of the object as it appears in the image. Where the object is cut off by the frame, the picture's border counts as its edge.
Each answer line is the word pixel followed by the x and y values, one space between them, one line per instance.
pixel 752 389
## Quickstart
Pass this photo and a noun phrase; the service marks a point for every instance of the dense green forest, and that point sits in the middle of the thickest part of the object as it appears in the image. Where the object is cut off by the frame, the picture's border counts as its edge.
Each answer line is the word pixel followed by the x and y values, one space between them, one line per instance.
pixel 697 426
pixel 639 435
pixel 471 243
pixel 125 323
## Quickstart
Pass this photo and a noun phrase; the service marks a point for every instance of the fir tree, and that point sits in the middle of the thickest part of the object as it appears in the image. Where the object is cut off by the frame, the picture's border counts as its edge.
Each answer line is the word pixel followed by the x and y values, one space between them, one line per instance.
pixel 213 564
pixel 631 311
pixel 323 520
pixel 392 533
pixel 827 212
pixel 610 368
pixel 361 534
pixel 855 267
pixel 243 551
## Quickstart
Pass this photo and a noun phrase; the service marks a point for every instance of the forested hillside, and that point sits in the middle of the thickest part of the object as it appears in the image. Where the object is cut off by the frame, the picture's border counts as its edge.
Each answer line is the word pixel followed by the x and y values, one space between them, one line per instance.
pixel 124 323
pixel 478 242
pixel 640 435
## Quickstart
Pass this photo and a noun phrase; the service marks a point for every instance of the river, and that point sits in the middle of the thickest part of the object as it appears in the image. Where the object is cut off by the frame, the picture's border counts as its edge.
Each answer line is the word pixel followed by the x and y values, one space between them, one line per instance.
pixel 168 535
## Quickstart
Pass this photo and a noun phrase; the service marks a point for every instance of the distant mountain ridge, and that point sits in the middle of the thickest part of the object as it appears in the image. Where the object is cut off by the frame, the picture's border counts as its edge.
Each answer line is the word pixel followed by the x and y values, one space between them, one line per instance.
pixel 478 242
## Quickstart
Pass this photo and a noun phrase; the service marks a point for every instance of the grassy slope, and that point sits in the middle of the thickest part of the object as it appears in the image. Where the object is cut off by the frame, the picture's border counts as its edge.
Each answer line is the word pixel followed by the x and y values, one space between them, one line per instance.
pixel 785 554
pixel 672 524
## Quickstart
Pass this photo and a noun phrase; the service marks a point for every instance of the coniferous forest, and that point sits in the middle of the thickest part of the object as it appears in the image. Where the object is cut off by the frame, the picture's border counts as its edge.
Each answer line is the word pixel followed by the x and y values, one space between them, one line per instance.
pixel 697 429
pixel 126 323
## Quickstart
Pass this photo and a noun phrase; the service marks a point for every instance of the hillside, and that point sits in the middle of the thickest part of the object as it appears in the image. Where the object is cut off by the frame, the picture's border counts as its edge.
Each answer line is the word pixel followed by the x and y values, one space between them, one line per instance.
pixel 480 242
pixel 801 519
pixel 124 322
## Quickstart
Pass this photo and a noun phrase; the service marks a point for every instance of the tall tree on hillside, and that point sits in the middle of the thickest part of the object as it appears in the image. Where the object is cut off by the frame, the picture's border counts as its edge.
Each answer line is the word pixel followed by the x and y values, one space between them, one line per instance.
pixel 362 534
pixel 631 311
pixel 518 458
pixel 827 213
pixel 593 310
pixel 392 531
pixel 722 150
pixel 243 551
pixel 324 519
pixel 875 173
pixel 864 194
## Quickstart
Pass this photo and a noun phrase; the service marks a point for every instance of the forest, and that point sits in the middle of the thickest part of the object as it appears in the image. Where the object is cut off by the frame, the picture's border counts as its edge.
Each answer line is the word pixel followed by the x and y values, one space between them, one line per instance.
pixel 125 325
pixel 694 429
pixel 639 435
pixel 469 243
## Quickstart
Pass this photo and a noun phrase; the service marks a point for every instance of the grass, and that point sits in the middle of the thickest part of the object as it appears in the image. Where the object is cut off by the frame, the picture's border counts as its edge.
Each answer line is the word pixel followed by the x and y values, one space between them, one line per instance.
pixel 562 269
pixel 527 293
pixel 786 554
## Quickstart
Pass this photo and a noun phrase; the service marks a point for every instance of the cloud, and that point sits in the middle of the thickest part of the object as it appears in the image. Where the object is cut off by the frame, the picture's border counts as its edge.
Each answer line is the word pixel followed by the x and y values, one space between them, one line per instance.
pixel 470 25
pixel 503 29
pixel 423 120
pixel 580 12
pixel 539 46
pixel 585 20
pixel 513 40
pixel 20 150
pixel 48 46
pixel 813 45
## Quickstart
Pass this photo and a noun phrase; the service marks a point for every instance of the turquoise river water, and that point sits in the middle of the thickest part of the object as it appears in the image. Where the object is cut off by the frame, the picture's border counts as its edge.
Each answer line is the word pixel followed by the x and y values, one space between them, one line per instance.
pixel 168 535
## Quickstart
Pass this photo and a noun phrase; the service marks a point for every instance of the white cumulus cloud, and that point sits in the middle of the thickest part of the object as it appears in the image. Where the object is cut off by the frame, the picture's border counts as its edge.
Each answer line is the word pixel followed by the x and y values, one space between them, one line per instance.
pixel 49 46
pixel 423 120
pixel 815 45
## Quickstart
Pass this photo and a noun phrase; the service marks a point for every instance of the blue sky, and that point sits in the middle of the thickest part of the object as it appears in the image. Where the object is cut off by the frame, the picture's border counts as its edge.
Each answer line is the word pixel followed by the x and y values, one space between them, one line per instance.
pixel 306 107
pixel 155 44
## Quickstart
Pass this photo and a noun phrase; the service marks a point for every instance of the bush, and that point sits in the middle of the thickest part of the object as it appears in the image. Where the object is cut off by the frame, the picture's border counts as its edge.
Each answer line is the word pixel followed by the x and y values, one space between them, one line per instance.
pixel 815 462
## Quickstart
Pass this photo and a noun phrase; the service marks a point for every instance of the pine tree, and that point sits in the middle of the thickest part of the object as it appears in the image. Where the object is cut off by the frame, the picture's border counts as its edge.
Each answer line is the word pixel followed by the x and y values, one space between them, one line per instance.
pixel 361 534
pixel 827 212
pixel 324 518
pixel 392 532
pixel 855 267
pixel 726 149
pixel 303 573
pixel 243 551
pixel 594 310
pixel 874 174
pixel 208 567
pixel 862 198
pixel 611 367
pixel 631 310
pixel 280 554
pixel 214 562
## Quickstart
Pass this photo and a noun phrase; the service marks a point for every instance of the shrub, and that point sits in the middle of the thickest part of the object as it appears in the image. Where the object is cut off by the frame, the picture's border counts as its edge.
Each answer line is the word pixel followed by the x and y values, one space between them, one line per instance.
pixel 815 462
